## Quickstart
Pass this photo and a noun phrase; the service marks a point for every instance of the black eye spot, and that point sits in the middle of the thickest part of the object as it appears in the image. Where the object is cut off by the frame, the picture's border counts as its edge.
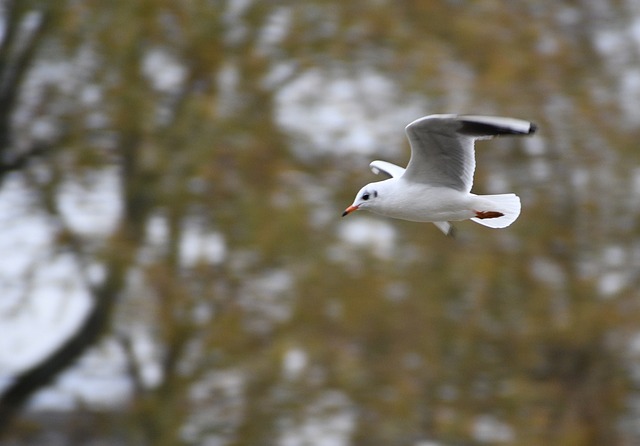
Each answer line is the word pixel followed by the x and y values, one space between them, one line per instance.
pixel 365 196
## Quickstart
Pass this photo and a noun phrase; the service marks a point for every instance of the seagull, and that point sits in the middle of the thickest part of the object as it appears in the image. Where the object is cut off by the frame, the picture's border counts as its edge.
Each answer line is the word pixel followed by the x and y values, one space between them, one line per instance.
pixel 436 185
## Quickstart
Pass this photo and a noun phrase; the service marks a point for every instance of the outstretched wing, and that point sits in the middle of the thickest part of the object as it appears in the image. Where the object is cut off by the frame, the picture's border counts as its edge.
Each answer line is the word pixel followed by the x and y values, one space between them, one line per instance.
pixel 390 169
pixel 442 152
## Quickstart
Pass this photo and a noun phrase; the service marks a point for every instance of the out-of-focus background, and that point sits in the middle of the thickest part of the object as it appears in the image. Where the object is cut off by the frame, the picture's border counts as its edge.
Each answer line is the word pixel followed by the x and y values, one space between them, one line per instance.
pixel 174 268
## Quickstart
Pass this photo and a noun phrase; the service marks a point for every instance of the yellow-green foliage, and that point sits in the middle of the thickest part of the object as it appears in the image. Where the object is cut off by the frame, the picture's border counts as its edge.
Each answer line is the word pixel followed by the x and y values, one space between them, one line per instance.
pixel 424 342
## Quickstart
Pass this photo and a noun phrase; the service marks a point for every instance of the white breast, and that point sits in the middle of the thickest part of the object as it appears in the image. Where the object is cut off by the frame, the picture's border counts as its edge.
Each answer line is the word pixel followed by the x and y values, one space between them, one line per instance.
pixel 423 202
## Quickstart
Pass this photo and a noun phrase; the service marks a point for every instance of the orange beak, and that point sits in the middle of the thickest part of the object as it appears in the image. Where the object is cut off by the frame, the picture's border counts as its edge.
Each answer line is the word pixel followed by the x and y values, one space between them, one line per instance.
pixel 349 210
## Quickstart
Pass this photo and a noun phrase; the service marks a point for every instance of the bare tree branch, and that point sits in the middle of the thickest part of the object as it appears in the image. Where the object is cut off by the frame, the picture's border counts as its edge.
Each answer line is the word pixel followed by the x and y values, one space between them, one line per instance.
pixel 43 373
pixel 17 52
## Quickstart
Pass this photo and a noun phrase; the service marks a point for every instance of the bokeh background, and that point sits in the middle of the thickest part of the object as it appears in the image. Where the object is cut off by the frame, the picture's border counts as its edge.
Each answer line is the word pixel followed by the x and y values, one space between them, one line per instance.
pixel 174 268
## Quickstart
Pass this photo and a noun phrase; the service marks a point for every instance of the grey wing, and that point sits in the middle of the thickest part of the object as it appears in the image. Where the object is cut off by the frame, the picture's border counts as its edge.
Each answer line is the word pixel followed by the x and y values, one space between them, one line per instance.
pixel 442 151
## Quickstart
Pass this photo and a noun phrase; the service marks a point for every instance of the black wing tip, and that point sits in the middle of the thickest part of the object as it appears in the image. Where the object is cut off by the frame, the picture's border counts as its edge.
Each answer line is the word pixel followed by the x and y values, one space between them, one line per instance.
pixel 472 127
pixel 481 125
pixel 533 127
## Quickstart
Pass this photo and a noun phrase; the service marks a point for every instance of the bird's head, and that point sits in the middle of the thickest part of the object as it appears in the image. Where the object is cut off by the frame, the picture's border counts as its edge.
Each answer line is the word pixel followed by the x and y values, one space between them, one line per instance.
pixel 367 198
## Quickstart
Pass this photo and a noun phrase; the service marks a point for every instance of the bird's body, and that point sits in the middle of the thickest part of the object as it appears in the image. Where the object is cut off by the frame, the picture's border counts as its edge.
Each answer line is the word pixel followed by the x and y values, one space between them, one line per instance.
pixel 399 201
pixel 436 185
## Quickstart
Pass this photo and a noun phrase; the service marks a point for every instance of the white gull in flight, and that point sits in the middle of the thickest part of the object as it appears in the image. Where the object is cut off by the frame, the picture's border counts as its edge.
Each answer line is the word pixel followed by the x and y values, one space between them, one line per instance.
pixel 436 185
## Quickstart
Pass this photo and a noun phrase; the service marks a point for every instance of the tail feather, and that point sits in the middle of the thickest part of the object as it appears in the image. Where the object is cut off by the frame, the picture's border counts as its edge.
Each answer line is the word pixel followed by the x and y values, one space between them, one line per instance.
pixel 507 204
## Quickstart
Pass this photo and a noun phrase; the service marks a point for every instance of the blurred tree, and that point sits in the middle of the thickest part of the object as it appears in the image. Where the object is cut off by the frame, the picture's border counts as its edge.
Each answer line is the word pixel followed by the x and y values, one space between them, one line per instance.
pixel 17 51
pixel 227 260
